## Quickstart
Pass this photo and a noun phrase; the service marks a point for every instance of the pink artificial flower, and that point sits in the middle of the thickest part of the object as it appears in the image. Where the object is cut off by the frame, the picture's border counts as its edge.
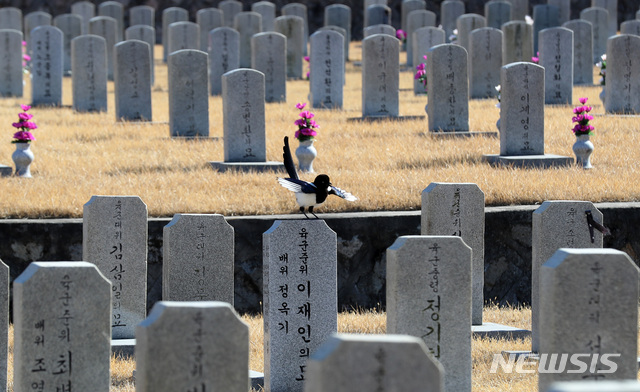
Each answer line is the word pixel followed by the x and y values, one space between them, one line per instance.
pixel 308 132
pixel 301 122
pixel 17 125
pixel 297 135
pixel 31 125
pixel 26 57
pixel 419 74
pixel 25 116
pixel 301 105
pixel 420 67
pixel 400 34
pixel 24 43
pixel 24 135
pixel 25 107
pixel 306 114
pixel 583 100
pixel 313 124
pixel 306 58
pixel 424 57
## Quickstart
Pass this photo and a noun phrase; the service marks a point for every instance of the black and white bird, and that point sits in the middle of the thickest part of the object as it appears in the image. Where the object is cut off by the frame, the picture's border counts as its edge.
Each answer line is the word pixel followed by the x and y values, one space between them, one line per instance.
pixel 308 194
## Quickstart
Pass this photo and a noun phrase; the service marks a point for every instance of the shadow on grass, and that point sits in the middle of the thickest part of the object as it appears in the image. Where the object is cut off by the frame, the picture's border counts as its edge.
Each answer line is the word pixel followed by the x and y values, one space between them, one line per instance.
pixel 438 162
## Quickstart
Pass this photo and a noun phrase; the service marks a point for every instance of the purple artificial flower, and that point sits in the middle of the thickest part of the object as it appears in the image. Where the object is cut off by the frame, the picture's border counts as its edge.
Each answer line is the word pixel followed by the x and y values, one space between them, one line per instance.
pixel 301 105
pixel 25 107
pixel 583 100
pixel 306 114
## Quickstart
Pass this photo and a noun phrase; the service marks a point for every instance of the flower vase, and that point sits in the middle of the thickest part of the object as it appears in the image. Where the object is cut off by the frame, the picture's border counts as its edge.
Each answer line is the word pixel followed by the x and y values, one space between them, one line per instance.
pixel 583 149
pixel 306 153
pixel 22 157
pixel 602 94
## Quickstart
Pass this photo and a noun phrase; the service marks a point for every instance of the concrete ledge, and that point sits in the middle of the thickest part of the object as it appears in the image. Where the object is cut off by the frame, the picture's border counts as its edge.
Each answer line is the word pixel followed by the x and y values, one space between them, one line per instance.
pixel 123 347
pixel 532 161
pixel 248 166
pixel 384 118
pixel 499 331
pixel 5 171
pixel 460 134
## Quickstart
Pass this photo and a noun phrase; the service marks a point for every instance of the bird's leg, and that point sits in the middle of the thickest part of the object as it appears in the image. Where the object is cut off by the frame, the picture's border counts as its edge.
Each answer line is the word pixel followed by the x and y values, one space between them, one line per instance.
pixel 311 211
pixel 305 214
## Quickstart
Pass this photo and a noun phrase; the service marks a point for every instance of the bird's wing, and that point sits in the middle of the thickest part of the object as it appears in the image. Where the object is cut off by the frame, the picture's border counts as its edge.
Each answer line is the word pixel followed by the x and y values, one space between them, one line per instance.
pixel 288 160
pixel 343 194
pixel 298 186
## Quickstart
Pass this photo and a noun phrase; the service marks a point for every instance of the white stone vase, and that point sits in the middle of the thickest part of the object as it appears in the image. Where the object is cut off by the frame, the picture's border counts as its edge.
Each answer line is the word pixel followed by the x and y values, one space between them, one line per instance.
pixel 22 158
pixel 602 94
pixel 583 149
pixel 306 153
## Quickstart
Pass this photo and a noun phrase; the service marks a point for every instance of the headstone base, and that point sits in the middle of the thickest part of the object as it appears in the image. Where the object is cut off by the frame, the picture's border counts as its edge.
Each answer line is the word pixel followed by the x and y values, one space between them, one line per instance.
pixel 528 355
pixel 248 166
pixel 383 118
pixel 5 171
pixel 461 134
pixel 499 331
pixel 257 380
pixel 532 161
pixel 123 347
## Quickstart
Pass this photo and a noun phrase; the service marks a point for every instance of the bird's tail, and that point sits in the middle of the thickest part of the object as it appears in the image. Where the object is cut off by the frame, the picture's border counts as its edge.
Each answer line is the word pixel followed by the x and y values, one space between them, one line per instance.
pixel 288 160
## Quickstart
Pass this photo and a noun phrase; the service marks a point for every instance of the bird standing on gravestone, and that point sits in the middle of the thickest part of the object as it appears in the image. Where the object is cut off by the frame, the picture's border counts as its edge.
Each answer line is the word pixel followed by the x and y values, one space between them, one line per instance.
pixel 308 194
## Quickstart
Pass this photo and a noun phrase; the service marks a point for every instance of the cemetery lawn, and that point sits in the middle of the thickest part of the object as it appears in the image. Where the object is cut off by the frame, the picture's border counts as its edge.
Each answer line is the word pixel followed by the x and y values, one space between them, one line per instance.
pixel 374 322
pixel 386 164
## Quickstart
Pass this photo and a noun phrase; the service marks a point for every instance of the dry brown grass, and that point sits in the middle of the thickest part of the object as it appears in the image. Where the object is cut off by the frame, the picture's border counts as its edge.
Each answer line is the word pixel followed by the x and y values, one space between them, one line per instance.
pixel 386 164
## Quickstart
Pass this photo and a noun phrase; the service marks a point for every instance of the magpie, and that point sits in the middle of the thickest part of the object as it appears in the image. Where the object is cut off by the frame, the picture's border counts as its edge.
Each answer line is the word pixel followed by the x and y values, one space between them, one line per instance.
pixel 308 194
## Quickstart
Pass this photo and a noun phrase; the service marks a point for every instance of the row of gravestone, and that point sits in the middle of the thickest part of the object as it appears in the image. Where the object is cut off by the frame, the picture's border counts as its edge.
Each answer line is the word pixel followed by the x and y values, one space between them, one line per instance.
pixel 432 294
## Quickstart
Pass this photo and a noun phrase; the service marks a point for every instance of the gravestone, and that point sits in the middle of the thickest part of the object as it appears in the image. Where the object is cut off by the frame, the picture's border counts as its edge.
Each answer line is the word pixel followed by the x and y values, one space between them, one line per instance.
pixel 564 9
pixel 339 15
pixel 114 238
pixel 416 20
pixel 466 24
pixel 4 324
pixel 33 20
pixel 197 256
pixel 105 27
pixel 595 386
pixel 188 94
pixel 243 116
pixel 450 10
pixel 229 8
pixel 429 297
pixel 557 224
pixel 343 33
pixel 544 16
pixel 623 75
pixel 142 15
pixel 424 39
pixel 497 13
pixel 579 315
pixel 71 27
pixel 11 60
pixel 485 54
pixel 89 73
pixel 458 210
pixel 116 11
pixel 145 34
pixel 326 69
pixel 448 108
pixel 350 362
pixel 208 19
pixel 598 17
pixel 612 8
pixel 300 298
pixel 380 76
pixel 292 27
pixel 630 27
pixel 267 11
pixel 247 24
pixel 46 66
pixel 62 328
pixel 522 119
pixel 517 42
pixel 132 80
pixel 183 35
pixel 171 15
pixel 378 14
pixel 298 9
pixel 379 29
pixel 11 18
pixel 86 10
pixel 519 9
pixel 224 55
pixel 192 346
pixel 269 56
pixel 556 56
pixel 582 51
pixel 406 8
